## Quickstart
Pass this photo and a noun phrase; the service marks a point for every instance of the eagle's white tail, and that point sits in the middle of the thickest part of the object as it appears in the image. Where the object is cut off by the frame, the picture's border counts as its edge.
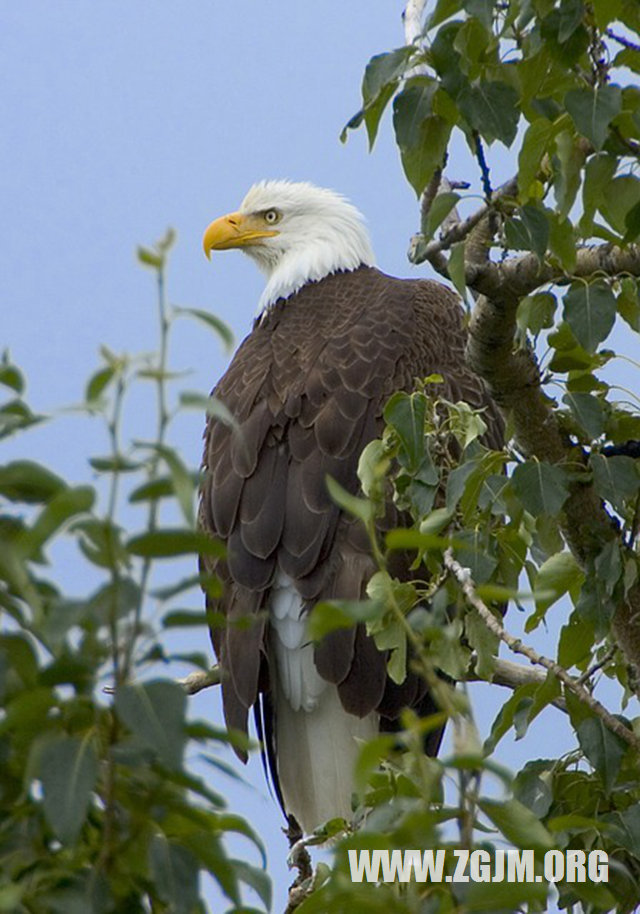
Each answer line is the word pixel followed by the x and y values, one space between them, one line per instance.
pixel 317 752
pixel 317 741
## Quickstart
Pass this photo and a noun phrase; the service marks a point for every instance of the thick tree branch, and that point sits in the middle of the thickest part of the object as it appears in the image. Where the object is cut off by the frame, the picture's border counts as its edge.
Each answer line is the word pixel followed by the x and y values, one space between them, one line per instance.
pixel 463 577
pixel 514 381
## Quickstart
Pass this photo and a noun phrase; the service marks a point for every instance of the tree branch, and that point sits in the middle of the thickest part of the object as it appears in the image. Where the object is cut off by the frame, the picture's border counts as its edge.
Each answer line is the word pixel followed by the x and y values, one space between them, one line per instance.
pixel 196 682
pixel 513 675
pixel 463 577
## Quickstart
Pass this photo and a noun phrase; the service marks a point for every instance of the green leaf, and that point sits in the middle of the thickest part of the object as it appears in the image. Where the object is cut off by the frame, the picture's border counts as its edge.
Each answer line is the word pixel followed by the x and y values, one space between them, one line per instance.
pixel 576 641
pixel 68 772
pixel 64 505
pixel 114 463
pixel 149 258
pixel 181 618
pixel 171 542
pixel 555 577
pixel 540 486
pixel 483 642
pixel 457 269
pixel 256 878
pixel 98 382
pixel 29 482
pixel 219 327
pixel 603 748
pixel 536 144
pixel 590 311
pixel 181 478
pixel 10 375
pixel 618 202
pixel 491 108
pixel 529 232
pixel 562 241
pixel 592 111
pixel 421 135
pixel 588 412
pixel 440 209
pixel 629 303
pixel 535 312
pixel 519 825
pixel 406 414
pixel 175 874
pixel 380 81
pixel 154 713
pixel 616 478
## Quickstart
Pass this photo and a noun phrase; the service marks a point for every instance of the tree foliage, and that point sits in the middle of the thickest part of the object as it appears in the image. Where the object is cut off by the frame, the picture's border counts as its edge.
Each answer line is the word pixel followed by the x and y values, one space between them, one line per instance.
pixel 544 95
pixel 101 812
pixel 101 808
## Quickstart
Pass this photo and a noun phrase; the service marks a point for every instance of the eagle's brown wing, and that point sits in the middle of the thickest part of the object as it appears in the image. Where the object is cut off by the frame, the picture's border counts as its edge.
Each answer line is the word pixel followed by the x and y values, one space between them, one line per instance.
pixel 307 389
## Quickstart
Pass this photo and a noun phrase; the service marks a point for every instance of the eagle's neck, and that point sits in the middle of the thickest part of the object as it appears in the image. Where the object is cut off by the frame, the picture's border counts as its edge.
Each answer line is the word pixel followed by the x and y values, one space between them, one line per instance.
pixel 309 261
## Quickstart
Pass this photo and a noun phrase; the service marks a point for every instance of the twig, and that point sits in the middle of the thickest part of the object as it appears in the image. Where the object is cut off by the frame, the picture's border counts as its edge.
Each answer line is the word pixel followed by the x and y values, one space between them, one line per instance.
pixel 622 40
pixel 460 230
pixel 513 675
pixel 196 682
pixel 597 666
pixel 484 168
pixel 463 576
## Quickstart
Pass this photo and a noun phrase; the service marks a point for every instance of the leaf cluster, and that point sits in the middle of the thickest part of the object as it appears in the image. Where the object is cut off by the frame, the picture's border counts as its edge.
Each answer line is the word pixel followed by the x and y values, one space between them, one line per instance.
pixel 101 809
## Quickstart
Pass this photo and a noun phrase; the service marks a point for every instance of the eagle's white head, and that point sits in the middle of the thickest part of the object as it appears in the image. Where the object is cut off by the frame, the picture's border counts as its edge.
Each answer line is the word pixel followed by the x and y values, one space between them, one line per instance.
pixel 297 233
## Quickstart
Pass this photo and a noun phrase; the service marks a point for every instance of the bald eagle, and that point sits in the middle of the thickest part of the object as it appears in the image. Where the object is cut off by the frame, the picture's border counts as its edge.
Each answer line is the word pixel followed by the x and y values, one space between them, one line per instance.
pixel 334 339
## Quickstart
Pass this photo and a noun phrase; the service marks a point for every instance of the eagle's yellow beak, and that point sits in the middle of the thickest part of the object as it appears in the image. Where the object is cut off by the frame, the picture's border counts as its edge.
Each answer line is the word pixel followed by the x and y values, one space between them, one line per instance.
pixel 235 230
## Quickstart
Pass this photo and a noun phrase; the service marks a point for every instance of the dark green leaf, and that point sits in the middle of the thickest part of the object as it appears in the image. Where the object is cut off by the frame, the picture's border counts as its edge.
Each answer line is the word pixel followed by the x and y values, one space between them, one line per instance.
pixel 616 478
pixel 381 78
pixel 406 414
pixel 535 145
pixel 530 232
pixel 491 108
pixel 171 542
pixel 541 487
pixel 68 772
pixel 603 748
pixel 98 382
pixel 535 312
pixel 29 482
pixel 154 713
pixel 588 412
pixel 10 375
pixel 590 311
pixel 175 873
pixel 114 463
pixel 421 135
pixel 576 642
pixel 592 111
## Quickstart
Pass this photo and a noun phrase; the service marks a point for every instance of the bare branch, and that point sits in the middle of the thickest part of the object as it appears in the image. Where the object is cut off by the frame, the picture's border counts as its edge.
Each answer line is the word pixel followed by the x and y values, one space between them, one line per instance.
pixel 513 675
pixel 412 19
pixel 463 577
pixel 196 682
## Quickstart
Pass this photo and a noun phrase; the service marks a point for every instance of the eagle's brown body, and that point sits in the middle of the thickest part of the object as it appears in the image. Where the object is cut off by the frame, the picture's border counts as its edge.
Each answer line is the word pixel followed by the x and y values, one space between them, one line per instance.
pixel 307 390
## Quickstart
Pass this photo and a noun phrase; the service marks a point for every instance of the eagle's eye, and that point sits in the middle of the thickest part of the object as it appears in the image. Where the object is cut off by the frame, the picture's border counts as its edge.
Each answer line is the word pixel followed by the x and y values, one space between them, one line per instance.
pixel 271 216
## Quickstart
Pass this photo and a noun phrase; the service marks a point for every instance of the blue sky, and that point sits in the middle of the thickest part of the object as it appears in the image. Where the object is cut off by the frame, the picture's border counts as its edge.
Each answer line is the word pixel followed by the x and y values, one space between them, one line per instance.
pixel 121 119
